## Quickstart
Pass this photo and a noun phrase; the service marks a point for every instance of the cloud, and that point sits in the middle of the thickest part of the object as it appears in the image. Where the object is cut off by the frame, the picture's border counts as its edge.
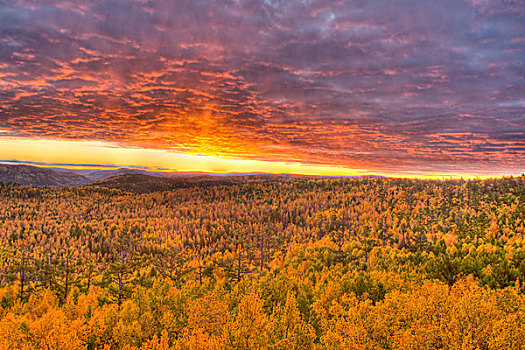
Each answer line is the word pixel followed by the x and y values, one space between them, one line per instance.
pixel 382 85
pixel 80 165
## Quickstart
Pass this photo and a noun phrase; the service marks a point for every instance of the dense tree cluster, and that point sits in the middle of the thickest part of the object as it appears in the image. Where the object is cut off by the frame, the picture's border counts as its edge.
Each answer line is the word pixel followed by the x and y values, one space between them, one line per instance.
pixel 311 264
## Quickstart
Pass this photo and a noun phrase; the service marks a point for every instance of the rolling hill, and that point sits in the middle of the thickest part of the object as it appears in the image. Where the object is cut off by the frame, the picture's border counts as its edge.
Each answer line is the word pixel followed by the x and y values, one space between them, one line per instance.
pixel 128 180
pixel 140 183
pixel 40 177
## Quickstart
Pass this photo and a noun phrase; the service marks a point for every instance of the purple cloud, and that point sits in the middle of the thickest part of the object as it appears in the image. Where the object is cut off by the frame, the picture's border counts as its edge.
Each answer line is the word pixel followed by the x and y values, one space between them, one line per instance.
pixel 382 85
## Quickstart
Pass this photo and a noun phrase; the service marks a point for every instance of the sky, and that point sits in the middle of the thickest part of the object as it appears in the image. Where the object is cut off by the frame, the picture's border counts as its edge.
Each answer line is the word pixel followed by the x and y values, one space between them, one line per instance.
pixel 401 88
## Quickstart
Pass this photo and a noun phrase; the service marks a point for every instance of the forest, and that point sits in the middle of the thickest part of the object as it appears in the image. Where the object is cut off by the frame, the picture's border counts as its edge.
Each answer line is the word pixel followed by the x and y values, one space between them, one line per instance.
pixel 327 263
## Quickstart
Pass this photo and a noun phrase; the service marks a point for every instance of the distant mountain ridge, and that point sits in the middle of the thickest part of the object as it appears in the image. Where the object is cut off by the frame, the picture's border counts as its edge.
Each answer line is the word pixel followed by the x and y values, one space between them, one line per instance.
pixel 129 180
pixel 98 175
pixel 141 183
pixel 30 175
pixel 41 177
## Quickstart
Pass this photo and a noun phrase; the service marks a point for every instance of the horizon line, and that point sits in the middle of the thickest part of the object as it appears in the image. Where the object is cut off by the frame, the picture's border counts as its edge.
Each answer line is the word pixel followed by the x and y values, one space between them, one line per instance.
pixel 75 167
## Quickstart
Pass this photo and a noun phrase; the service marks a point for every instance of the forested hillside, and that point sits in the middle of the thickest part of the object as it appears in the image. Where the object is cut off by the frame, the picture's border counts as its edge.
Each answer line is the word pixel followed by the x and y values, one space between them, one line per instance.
pixel 309 264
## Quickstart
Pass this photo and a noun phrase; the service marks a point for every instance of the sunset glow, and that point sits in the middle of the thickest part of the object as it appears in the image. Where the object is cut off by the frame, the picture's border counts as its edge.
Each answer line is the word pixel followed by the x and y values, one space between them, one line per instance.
pixel 415 88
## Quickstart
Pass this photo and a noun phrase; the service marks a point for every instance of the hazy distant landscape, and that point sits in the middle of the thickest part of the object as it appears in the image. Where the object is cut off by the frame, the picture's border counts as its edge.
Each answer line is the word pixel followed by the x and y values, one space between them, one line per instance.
pixel 29 175
pixel 63 177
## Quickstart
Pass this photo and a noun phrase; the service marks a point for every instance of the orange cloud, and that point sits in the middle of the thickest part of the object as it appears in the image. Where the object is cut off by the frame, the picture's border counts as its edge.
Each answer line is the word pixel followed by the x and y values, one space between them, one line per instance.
pixel 321 85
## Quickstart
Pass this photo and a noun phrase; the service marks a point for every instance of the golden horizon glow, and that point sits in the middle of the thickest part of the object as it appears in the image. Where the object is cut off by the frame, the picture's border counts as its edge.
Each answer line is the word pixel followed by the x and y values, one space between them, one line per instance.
pixel 99 155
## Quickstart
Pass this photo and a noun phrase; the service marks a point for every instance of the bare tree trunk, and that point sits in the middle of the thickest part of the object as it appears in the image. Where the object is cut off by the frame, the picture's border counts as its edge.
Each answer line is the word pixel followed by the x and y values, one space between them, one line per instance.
pixel 90 272
pixel 341 241
pixel 239 265
pixel 262 252
pixel 22 282
pixel 366 247
pixel 66 284
pixel 121 279
pixel 120 287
